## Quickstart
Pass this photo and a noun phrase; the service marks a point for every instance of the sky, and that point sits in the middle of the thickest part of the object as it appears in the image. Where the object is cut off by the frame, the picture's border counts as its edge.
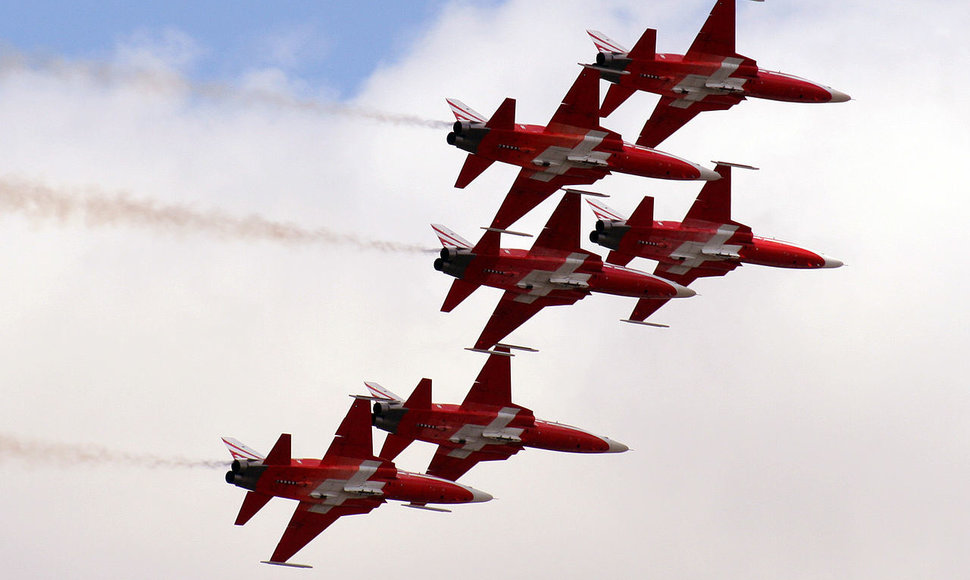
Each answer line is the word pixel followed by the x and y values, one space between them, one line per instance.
pixel 788 424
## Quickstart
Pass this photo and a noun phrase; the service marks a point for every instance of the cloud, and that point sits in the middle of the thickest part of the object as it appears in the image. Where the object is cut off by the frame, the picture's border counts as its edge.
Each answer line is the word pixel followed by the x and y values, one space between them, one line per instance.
pixel 788 423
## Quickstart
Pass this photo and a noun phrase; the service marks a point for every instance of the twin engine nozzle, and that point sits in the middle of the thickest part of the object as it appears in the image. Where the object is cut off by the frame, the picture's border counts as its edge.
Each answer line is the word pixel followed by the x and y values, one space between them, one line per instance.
pixel 245 473
pixel 453 261
pixel 613 60
pixel 467 135
pixel 608 232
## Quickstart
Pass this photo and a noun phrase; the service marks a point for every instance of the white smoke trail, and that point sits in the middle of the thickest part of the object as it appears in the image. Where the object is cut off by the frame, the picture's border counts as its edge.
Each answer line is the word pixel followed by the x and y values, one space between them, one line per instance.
pixel 98 209
pixel 169 83
pixel 34 451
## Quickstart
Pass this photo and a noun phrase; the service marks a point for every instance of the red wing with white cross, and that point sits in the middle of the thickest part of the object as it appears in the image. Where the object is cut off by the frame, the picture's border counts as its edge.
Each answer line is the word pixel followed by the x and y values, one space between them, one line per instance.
pixel 707 243
pixel 710 76
pixel 573 149
pixel 348 480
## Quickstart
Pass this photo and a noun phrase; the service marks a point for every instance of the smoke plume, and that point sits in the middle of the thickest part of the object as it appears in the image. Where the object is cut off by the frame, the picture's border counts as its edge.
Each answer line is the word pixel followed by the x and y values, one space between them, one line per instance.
pixel 164 82
pixel 99 209
pixel 35 451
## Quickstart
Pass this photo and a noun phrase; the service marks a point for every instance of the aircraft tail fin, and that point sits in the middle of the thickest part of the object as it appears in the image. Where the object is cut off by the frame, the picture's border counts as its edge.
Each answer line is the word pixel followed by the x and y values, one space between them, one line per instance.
pixel 449 238
pixel 240 451
pixel 473 167
pixel 605 43
pixel 379 392
pixel 463 112
pixel 604 212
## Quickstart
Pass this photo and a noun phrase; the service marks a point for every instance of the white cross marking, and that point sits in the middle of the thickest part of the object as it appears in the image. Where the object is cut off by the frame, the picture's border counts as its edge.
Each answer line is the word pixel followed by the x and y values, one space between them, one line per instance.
pixel 557 160
pixel 335 490
pixel 542 282
pixel 473 439
pixel 696 87
pixel 694 254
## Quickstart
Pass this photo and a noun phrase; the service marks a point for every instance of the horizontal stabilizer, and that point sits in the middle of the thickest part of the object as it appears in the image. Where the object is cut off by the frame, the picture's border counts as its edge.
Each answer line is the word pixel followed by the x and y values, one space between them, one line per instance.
pixel 280 454
pixel 252 503
pixel 643 215
pixel 616 95
pixel 646 47
pixel 394 444
pixel 421 397
pixel 487 351
pixel 504 116
pixel 473 167
pixel 459 291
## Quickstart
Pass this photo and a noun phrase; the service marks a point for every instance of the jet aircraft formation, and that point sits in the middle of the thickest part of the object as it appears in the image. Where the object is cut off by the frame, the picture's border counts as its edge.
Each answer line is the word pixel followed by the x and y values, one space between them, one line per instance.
pixel 573 149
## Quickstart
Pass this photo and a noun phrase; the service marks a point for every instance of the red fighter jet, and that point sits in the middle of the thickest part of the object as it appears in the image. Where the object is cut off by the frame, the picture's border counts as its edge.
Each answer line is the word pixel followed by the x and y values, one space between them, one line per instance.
pixel 707 243
pixel 710 77
pixel 487 426
pixel 348 480
pixel 555 271
pixel 573 149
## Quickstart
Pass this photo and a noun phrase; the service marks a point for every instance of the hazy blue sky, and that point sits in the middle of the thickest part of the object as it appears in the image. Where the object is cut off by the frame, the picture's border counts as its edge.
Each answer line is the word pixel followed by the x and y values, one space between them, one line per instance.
pixel 337 44
pixel 788 424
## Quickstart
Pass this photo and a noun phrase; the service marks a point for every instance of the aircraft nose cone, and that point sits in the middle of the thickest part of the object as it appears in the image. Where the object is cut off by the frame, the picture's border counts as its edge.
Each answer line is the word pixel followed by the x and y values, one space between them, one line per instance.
pixel 838 96
pixel 830 262
pixel 478 495
pixel 708 174
pixel 615 446
pixel 683 291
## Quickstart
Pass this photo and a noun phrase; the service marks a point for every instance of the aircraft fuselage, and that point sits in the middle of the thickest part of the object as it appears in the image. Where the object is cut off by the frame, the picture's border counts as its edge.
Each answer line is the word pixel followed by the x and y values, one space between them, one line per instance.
pixel 488 427
pixel 581 155
pixel 561 274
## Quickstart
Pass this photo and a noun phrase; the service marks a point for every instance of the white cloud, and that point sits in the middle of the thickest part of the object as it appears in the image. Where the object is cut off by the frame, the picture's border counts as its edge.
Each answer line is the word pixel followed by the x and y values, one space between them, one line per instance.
pixel 796 424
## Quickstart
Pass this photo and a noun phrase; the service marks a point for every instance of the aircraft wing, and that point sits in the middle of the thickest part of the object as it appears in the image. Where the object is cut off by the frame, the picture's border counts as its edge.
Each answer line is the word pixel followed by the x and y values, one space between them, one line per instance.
pixel 453 461
pixel 513 310
pixel 532 188
pixel 580 108
pixel 717 36
pixel 309 520
pixel 671 114
pixel 682 274
pixel 562 231
pixel 493 386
